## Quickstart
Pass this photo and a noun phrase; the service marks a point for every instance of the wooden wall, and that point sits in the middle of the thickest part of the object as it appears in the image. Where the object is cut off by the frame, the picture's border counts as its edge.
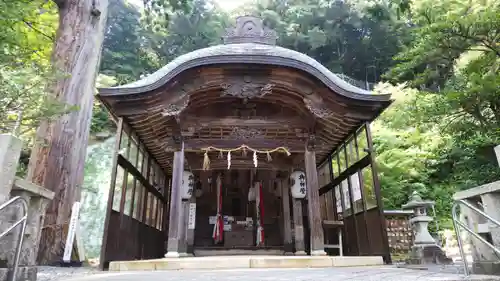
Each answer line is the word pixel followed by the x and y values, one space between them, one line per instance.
pixel 350 193
pixel 138 203
pixel 123 241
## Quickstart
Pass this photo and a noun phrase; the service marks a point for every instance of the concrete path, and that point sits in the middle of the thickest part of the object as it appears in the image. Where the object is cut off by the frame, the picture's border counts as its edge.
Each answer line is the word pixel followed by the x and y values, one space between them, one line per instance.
pixel 383 273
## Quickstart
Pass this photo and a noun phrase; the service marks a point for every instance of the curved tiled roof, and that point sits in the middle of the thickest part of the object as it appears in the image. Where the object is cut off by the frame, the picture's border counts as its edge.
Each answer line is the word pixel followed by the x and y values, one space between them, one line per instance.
pixel 247 53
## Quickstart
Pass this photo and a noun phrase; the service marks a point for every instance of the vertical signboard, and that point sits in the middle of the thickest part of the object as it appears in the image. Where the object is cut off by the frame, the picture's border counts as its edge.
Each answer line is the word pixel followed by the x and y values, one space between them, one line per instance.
pixel 73 223
pixel 192 216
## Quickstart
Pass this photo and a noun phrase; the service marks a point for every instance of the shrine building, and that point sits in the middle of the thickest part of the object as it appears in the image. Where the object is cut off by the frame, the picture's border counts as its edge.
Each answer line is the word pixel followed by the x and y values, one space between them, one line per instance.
pixel 243 148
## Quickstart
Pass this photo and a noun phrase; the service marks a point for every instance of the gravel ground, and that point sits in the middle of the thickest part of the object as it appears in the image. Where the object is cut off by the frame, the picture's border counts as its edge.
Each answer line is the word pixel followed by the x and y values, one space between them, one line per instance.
pixel 46 273
pixel 384 273
pixel 457 268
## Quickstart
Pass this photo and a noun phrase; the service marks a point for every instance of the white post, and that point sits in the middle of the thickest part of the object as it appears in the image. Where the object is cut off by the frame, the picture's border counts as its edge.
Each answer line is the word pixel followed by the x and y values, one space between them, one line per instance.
pixel 497 152
pixel 73 223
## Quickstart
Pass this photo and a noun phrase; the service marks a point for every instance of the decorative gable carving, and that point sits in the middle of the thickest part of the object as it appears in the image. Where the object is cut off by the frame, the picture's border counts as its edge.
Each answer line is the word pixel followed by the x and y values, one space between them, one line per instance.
pixel 250 30
pixel 246 87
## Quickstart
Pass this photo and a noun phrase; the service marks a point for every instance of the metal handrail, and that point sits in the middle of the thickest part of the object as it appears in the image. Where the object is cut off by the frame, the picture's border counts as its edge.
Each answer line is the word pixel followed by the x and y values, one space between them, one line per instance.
pixel 457 223
pixel 22 221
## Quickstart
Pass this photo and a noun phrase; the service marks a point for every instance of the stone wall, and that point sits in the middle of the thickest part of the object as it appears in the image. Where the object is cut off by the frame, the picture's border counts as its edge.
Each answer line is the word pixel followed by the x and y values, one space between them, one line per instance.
pixel 36 198
pixel 487 199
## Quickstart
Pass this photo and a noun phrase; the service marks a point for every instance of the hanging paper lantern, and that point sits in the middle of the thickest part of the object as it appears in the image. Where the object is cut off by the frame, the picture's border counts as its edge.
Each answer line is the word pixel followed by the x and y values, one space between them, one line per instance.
pixel 187 185
pixel 299 187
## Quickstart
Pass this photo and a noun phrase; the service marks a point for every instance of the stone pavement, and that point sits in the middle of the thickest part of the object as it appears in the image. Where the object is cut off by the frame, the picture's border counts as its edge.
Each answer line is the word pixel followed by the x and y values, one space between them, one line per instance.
pixel 380 273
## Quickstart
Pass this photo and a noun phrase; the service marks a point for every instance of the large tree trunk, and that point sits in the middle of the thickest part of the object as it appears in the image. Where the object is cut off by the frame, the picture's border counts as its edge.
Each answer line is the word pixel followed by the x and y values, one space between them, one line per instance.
pixel 58 158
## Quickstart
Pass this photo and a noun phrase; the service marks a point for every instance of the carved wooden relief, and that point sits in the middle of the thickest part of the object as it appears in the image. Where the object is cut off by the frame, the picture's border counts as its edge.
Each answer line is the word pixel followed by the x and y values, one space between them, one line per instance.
pixel 242 133
pixel 174 109
pixel 317 108
pixel 246 87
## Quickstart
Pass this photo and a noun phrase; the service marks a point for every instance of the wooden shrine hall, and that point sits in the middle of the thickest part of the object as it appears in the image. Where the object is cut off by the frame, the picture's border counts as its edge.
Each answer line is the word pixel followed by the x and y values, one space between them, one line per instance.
pixel 243 148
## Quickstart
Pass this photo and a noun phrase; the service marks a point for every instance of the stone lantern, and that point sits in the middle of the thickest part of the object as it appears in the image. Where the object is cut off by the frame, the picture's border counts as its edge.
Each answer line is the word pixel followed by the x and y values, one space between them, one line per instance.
pixel 425 249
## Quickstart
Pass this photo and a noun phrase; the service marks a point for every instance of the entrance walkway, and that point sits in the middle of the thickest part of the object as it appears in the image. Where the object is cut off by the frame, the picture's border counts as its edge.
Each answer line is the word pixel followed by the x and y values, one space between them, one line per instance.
pixel 383 273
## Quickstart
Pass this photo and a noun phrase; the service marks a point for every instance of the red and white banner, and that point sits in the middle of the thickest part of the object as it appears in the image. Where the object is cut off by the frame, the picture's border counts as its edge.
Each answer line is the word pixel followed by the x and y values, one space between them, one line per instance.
pixel 219 223
pixel 260 213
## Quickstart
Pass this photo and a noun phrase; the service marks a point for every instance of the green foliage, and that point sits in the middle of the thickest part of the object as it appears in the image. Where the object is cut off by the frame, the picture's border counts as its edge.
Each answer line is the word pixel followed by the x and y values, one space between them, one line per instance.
pixel 356 38
pixel 101 121
pixel 453 59
pixel 24 101
pixel 201 27
pixel 408 153
pixel 443 56
pixel 28 28
pixel 125 54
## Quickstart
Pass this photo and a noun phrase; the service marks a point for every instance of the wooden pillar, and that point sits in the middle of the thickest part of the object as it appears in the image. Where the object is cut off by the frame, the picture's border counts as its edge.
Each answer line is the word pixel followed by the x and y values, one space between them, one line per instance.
pixel 287 225
pixel 183 223
pixel 175 206
pixel 298 227
pixel 315 223
pixel 378 196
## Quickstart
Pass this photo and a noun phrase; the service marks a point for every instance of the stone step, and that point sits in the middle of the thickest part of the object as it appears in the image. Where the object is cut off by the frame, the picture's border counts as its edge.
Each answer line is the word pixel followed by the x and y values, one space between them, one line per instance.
pixel 237 252
pixel 240 262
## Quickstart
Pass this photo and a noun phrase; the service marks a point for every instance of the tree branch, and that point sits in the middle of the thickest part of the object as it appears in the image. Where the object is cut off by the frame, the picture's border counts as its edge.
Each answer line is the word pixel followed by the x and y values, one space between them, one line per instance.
pixel 38 30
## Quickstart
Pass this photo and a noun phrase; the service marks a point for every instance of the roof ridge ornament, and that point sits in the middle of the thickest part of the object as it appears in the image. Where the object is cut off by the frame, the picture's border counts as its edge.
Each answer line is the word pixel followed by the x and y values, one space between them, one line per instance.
pixel 250 29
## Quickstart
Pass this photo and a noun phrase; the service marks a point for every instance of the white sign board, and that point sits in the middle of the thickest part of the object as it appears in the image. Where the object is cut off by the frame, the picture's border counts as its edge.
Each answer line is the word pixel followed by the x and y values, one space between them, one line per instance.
pixel 73 223
pixel 356 189
pixel 339 202
pixel 192 216
pixel 345 193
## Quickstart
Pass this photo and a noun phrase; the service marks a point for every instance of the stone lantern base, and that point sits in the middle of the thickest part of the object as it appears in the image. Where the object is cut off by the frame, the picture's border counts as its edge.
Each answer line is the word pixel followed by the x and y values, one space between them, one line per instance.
pixel 428 254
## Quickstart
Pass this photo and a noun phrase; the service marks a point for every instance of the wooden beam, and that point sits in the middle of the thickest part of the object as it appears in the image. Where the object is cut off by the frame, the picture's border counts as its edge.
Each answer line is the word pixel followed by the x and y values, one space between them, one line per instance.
pixel 279 161
pixel 211 122
pixel 127 166
pixel 351 170
pixel 239 166
pixel 201 144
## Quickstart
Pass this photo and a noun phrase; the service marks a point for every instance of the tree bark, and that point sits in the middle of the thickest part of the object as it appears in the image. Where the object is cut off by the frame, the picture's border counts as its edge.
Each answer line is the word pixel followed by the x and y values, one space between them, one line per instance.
pixel 58 157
